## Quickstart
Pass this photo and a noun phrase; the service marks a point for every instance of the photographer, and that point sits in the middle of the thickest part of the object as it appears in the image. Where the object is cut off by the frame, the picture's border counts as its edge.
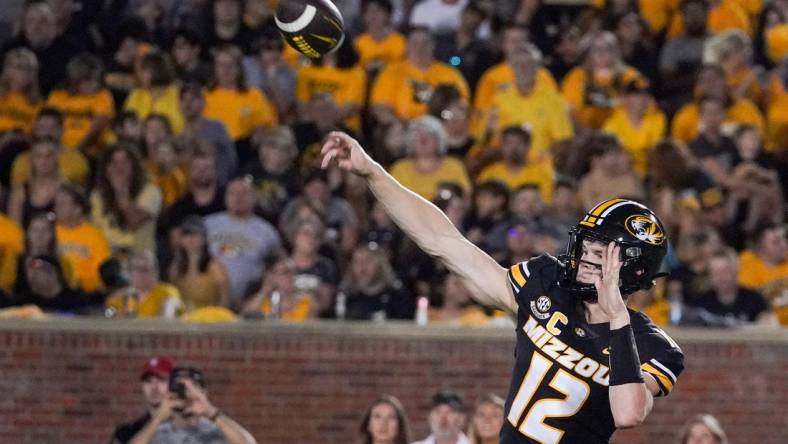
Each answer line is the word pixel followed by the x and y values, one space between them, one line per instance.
pixel 186 414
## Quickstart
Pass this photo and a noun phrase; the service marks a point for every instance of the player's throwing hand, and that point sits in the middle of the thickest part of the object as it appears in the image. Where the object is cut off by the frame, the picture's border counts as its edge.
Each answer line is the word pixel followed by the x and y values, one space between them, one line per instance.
pixel 608 293
pixel 347 152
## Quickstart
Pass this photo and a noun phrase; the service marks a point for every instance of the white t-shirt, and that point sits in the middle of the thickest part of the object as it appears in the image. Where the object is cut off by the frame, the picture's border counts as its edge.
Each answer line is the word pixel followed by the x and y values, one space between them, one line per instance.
pixel 461 439
pixel 438 15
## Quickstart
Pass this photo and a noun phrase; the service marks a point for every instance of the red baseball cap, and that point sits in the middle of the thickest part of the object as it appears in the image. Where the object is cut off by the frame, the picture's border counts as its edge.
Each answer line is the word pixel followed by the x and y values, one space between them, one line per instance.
pixel 160 366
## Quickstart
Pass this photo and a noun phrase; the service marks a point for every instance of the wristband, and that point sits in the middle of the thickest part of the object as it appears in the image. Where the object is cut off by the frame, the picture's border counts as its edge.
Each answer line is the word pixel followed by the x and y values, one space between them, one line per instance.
pixel 215 416
pixel 624 360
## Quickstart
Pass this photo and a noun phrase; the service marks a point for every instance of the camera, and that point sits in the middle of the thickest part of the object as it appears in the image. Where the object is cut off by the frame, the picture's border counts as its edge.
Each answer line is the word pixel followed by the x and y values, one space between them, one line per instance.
pixel 176 385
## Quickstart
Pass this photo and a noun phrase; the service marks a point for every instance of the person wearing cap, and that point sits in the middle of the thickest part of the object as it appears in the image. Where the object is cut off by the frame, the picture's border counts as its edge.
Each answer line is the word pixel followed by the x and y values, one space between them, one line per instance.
pixel 637 122
pixel 186 414
pixel 154 382
pixel 446 420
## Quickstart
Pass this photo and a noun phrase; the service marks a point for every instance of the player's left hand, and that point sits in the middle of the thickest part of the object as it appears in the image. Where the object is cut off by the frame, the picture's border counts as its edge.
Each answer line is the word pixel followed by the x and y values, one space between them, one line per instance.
pixel 608 295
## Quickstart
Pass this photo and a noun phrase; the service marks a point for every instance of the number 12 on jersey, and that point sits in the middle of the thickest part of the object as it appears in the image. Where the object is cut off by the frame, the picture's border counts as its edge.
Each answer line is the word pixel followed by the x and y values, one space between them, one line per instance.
pixel 575 390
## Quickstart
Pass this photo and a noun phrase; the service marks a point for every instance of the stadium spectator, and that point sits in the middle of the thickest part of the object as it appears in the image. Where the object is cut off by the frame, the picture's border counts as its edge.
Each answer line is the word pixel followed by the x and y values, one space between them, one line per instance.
pixel 338 75
pixel 438 16
pixel 11 246
pixel 403 89
pixel 192 416
pixel 636 43
pixel 428 165
pixel 161 159
pixel 39 33
pixel 593 88
pixel 732 50
pixel 42 282
pixel 228 28
pixel 20 96
pixel 516 167
pixel 203 197
pixel 315 273
pixel 208 131
pixel 154 382
pixel 332 211
pixel 267 70
pixel 703 429
pixel 127 49
pixel 711 83
pixel 186 50
pixel 156 92
pixel 380 44
pixel 464 48
pixel 542 110
pixel 385 422
pixel 274 171
pixel 456 306
pixel 448 105
pixel 486 420
pixel 764 265
pixel 79 241
pixel 776 106
pixel 201 280
pixel 87 107
pixel 239 239
pixel 278 297
pixel 714 150
pixel 726 298
pixel 446 420
pixel 690 277
pixel 145 296
pixel 128 128
pixel 73 165
pixel 230 100
pixel 124 202
pixel 610 174
pixel 38 193
pixel 682 56
pixel 526 209
pixel 489 208
pixel 371 288
pixel 637 123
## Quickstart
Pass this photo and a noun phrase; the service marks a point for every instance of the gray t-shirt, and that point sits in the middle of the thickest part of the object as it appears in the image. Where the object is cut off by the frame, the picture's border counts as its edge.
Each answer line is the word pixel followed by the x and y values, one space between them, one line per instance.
pixel 242 246
pixel 205 432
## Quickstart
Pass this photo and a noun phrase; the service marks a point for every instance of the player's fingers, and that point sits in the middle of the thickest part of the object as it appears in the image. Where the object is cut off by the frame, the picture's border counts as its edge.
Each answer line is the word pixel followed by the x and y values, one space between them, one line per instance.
pixel 327 159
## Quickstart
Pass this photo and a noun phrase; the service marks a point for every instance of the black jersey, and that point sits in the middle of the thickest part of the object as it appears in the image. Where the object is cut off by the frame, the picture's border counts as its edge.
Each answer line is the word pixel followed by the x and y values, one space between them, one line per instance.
pixel 559 389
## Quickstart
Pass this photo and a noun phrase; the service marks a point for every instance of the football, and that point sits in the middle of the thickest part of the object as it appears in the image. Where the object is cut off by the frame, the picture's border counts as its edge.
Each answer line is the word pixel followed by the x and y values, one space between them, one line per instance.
pixel 313 27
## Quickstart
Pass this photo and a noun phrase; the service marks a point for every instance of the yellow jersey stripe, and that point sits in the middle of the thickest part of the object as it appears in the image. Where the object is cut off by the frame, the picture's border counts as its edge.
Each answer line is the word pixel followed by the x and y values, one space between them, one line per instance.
pixel 604 206
pixel 661 377
pixel 517 275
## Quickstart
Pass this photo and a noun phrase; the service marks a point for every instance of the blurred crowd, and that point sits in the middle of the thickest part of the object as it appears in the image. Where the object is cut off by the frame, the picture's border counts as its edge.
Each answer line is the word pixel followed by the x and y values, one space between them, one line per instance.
pixel 160 158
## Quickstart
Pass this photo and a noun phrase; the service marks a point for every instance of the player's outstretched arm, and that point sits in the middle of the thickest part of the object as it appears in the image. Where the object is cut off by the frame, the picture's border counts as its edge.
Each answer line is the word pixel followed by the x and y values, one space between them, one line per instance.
pixel 425 224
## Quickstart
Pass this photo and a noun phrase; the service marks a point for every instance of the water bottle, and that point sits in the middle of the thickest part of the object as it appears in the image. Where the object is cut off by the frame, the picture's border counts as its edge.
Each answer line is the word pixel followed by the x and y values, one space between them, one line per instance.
pixel 422 311
pixel 340 306
pixel 276 305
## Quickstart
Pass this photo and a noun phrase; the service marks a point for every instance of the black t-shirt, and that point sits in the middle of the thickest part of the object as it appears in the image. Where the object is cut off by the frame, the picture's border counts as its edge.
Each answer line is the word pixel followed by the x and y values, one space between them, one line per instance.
pixel 274 191
pixel 747 306
pixel 242 39
pixel 723 150
pixel 393 301
pixel 125 432
pixel 186 206
pixel 52 60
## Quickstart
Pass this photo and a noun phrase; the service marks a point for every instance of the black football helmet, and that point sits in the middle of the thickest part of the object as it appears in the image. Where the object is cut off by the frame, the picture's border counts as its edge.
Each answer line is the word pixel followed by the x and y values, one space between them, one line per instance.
pixel 636 230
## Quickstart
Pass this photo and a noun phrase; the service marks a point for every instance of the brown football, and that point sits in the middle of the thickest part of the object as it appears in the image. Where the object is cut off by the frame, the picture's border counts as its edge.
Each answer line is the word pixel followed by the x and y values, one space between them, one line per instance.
pixel 313 27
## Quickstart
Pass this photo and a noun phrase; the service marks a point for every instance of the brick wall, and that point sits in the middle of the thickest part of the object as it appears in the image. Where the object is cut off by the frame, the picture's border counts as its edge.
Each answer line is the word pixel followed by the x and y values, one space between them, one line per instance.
pixel 70 381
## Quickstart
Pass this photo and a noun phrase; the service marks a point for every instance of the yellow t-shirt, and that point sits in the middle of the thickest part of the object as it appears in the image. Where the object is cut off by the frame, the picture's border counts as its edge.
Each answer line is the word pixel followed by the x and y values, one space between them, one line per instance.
pixel 407 89
pixel 685 125
pixel 658 13
pixel 777 42
pixel 347 86
pixel 755 273
pixel 574 90
pixel 300 311
pixel 79 112
pixel 86 247
pixel 537 174
pixel 240 111
pixel 777 116
pixel 544 111
pixel 74 168
pixel 143 237
pixel 500 78
pixel 11 245
pixel 426 184
pixel 728 14
pixel 638 140
pixel 150 305
pixel 372 52
pixel 17 113
pixel 142 102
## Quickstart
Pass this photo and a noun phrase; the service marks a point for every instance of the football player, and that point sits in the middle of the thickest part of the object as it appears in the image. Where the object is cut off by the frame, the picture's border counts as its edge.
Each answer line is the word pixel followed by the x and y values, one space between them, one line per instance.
pixel 585 364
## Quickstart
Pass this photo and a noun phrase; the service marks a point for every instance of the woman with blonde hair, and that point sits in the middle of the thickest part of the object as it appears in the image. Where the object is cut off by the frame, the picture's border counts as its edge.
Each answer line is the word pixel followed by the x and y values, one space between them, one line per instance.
pixel 487 420
pixel 385 422
pixel 732 50
pixel 703 429
pixel 38 193
pixel 20 96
